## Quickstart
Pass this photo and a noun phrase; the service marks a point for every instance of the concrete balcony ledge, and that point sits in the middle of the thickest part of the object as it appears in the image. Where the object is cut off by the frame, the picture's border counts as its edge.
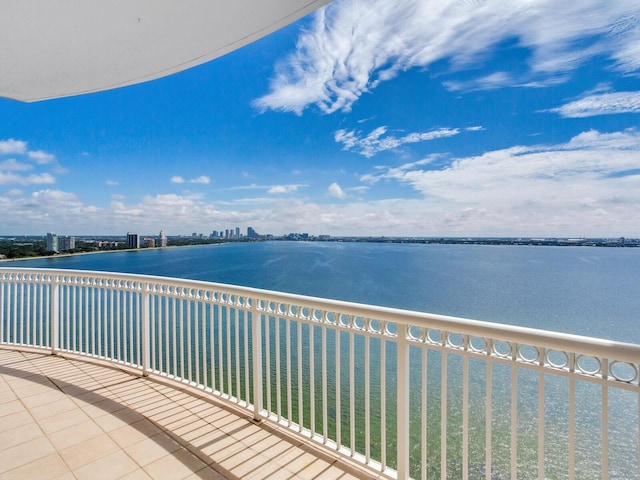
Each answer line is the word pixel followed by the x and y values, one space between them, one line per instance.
pixel 63 417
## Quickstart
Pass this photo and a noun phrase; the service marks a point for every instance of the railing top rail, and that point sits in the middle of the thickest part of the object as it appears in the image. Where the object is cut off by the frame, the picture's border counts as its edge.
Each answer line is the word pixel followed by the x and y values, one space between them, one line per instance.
pixel 583 345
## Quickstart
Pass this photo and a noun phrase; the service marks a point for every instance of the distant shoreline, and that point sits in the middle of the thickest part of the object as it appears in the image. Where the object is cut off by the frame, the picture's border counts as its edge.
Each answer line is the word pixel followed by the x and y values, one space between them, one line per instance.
pixel 62 255
pixel 543 242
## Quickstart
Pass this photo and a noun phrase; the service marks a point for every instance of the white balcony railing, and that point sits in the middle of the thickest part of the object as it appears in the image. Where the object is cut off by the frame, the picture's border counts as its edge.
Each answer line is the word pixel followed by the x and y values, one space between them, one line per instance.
pixel 406 394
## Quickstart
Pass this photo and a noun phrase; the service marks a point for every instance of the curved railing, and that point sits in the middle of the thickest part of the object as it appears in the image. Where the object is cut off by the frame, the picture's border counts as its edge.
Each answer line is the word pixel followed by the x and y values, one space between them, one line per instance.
pixel 407 394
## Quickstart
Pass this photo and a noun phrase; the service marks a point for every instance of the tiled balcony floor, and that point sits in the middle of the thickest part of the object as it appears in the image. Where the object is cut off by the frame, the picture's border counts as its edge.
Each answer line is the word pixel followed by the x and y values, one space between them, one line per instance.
pixel 64 418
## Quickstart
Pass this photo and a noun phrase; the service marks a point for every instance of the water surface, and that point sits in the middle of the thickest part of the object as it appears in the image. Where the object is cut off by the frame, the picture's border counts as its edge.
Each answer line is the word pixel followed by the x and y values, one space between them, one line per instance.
pixel 582 290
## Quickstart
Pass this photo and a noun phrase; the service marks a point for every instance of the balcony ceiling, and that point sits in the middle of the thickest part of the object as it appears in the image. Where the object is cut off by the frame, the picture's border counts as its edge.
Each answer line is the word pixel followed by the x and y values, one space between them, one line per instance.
pixel 59 48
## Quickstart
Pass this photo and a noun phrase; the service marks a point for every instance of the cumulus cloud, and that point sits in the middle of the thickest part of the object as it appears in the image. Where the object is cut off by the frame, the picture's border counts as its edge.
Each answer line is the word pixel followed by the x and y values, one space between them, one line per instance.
pixel 11 146
pixel 351 46
pixel 111 183
pixel 13 165
pixel 203 179
pixel 377 141
pixel 591 183
pixel 41 157
pixel 601 104
pixel 278 189
pixel 40 179
pixel 9 178
pixel 336 191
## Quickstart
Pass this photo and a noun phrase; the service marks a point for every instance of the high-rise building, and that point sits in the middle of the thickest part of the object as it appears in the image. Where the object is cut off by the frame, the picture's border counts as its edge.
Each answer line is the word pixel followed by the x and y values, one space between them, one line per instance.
pixel 133 240
pixel 251 233
pixel 163 238
pixel 52 242
pixel 66 243
pixel 237 232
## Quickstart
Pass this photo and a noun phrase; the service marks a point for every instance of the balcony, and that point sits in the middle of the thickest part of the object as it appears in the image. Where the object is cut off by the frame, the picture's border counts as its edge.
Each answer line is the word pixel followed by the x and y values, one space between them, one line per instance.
pixel 345 389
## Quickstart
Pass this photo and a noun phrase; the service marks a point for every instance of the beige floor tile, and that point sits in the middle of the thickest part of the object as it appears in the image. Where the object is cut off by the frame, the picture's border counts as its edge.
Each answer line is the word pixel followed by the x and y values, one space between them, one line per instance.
pixel 152 449
pixel 19 379
pixel 63 420
pixel 52 409
pixel 102 407
pixel 19 435
pixel 24 453
pixel 170 412
pixel 294 459
pixel 66 476
pixel 34 389
pixel 220 447
pixel 309 468
pixel 106 423
pixel 134 433
pixel 207 473
pixel 7 396
pixel 75 434
pixel 269 471
pixel 192 430
pixel 176 466
pixel 89 451
pixel 48 467
pixel 87 398
pixel 138 474
pixel 111 467
pixel 20 417
pixel 45 397
pixel 10 408
pixel 243 463
pixel 118 419
pixel 273 447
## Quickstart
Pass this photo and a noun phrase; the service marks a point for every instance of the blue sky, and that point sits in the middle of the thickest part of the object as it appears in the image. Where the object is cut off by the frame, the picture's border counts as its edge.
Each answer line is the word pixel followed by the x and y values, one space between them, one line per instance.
pixel 369 117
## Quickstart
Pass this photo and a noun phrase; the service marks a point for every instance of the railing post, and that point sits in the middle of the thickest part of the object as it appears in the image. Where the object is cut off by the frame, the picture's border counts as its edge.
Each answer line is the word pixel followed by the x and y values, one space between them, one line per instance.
pixel 54 314
pixel 403 403
pixel 256 351
pixel 2 307
pixel 146 328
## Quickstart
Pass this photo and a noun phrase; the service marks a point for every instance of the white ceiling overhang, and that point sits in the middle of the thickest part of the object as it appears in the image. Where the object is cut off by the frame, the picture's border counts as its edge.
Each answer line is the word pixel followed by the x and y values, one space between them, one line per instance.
pixel 59 48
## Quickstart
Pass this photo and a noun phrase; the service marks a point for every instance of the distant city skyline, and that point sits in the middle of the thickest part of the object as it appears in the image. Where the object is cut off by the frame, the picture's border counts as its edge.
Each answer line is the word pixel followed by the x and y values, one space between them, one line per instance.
pixel 368 118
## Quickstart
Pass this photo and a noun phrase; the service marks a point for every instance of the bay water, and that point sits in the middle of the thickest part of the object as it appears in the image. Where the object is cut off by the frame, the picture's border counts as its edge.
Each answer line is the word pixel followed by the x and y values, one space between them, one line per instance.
pixel 592 291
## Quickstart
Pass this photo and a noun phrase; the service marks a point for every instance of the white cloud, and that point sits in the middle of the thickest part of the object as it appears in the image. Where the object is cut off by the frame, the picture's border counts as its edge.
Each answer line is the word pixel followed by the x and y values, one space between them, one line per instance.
pixel 13 165
pixel 353 45
pixel 601 104
pixel 40 179
pixel 111 183
pixel 278 189
pixel 11 146
pixel 489 82
pixel 376 141
pixel 335 191
pixel 41 157
pixel 55 197
pixel 589 184
pixel 8 178
pixel 201 179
